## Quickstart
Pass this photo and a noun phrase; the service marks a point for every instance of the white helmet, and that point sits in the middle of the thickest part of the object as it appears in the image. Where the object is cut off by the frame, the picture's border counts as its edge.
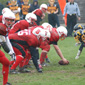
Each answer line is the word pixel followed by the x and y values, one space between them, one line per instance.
pixel 39 32
pixel 8 15
pixel 47 26
pixel 62 31
pixel 4 10
pixel 30 17
pixel 43 6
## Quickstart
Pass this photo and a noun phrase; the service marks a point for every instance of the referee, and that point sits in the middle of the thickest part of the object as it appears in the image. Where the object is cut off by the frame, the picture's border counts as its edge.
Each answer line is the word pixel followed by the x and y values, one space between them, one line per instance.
pixel 73 13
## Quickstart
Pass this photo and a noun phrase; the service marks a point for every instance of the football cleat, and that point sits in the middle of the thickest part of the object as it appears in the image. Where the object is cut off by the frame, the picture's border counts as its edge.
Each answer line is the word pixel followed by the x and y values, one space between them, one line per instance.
pixel 47 60
pixel 76 57
pixel 13 71
pixel 23 70
pixel 39 70
pixel 44 64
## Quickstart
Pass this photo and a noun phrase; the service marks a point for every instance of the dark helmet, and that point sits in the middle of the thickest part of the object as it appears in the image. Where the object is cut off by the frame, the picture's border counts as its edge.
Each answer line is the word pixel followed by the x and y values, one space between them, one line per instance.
pixel 83 35
pixel 77 34
pixel 78 26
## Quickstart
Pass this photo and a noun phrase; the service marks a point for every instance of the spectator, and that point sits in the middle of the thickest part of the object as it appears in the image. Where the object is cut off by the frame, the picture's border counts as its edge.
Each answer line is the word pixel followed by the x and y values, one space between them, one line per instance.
pixel 20 3
pixel 34 6
pixel 25 7
pixel 1 7
pixel 53 11
pixel 15 9
pixel 67 0
pixel 72 10
pixel 8 4
pixel 40 13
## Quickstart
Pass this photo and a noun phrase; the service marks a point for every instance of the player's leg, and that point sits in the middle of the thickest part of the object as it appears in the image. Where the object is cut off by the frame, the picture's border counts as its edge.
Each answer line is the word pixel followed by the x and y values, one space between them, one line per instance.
pixel 5 70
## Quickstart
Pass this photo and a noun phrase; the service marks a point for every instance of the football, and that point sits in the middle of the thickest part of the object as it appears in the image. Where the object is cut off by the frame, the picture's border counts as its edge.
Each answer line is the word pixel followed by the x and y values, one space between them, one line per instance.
pixel 62 63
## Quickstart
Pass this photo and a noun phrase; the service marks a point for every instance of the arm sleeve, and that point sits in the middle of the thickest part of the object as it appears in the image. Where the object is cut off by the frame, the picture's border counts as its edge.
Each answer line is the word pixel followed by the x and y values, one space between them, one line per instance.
pixel 2 39
pixel 3 43
pixel 5 47
pixel 9 44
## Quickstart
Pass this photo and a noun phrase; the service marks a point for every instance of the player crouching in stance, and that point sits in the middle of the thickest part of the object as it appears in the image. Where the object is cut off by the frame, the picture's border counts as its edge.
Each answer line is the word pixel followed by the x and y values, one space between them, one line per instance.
pixel 56 34
pixel 28 39
pixel 8 20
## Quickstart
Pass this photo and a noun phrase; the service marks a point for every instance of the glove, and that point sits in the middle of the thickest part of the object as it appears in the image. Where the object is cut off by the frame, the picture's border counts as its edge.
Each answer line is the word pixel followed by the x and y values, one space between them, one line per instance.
pixel 13 57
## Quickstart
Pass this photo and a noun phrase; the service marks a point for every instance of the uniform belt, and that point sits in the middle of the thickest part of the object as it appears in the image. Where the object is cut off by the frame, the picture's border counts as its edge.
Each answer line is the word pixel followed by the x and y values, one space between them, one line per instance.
pixel 71 14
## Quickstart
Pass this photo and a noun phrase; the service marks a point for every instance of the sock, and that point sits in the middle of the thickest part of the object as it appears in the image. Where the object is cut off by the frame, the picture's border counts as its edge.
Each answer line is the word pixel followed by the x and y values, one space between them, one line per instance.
pixel 19 58
pixel 46 56
pixel 27 60
pixel 11 62
pixel 42 57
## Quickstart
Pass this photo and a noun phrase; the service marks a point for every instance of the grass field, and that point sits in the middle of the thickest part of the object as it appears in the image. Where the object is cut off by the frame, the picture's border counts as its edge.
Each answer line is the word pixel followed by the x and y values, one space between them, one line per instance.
pixel 55 74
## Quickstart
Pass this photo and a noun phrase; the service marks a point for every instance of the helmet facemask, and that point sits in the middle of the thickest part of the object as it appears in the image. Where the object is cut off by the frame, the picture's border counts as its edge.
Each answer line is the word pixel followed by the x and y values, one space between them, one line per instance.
pixel 9 22
pixel 62 37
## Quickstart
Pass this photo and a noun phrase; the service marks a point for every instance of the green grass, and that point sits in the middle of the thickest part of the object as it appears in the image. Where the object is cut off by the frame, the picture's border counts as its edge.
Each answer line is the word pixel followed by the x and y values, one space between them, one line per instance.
pixel 55 74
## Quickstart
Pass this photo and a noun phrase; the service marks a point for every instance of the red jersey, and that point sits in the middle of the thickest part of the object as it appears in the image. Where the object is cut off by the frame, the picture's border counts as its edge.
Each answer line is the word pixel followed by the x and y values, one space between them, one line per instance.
pixel 38 12
pixel 54 36
pixel 26 37
pixel 1 18
pixel 20 25
pixel 44 44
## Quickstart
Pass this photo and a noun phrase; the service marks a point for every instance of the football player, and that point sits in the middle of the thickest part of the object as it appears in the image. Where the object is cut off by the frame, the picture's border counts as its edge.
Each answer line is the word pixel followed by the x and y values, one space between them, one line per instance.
pixel 40 13
pixel 8 20
pixel 56 34
pixel 24 24
pixel 77 27
pixel 29 39
pixel 79 36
